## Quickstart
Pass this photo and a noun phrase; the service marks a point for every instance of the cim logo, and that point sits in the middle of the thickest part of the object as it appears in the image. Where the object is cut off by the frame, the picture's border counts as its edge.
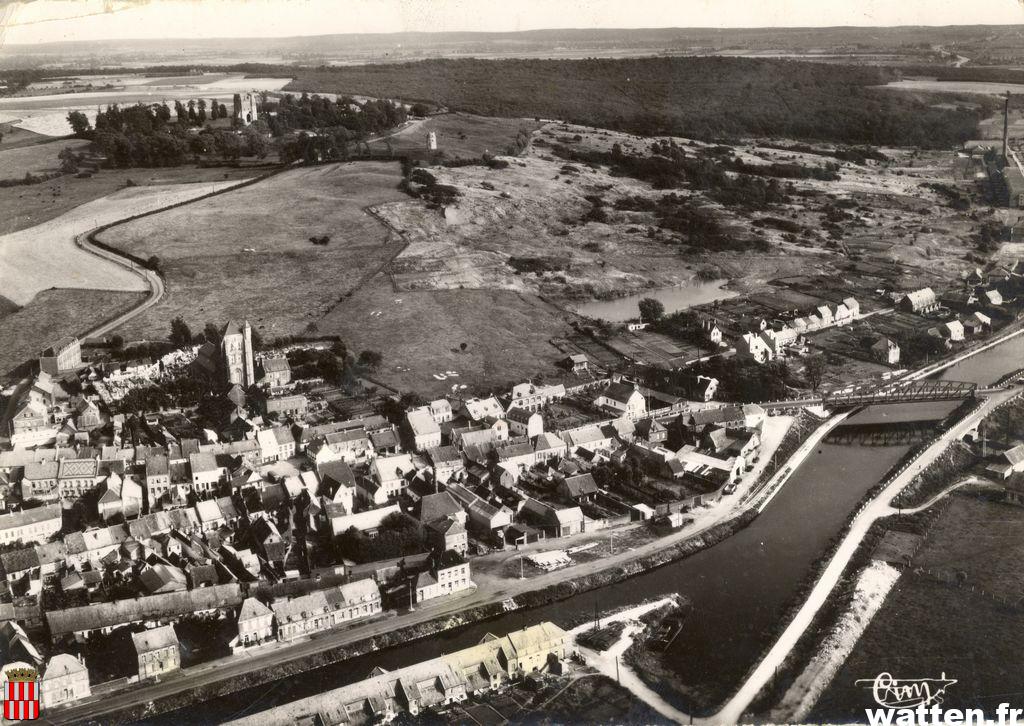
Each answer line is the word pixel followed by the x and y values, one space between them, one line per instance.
pixel 898 693
pixel 21 694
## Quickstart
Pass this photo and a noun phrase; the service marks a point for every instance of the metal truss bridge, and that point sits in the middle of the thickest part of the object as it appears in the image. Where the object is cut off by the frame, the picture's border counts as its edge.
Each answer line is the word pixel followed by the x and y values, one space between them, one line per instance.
pixel 899 392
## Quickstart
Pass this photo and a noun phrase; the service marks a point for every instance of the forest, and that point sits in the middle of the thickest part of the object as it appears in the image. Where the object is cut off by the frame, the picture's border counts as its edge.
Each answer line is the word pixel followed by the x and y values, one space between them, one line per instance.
pixel 703 98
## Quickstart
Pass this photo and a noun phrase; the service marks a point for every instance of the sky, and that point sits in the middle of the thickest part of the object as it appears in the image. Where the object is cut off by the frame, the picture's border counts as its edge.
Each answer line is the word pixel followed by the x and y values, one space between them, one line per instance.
pixel 43 21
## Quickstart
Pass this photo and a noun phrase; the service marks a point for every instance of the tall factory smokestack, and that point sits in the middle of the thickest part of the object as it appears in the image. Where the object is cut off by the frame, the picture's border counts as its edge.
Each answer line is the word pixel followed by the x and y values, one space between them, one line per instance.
pixel 1006 127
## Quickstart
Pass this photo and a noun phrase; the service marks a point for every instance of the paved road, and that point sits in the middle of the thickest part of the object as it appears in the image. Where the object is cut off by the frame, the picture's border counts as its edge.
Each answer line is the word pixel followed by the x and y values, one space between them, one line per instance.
pixel 153 280
pixel 876 509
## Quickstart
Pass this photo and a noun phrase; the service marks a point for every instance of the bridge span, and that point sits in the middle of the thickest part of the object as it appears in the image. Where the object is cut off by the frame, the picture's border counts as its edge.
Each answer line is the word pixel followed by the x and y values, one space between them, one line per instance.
pixel 899 392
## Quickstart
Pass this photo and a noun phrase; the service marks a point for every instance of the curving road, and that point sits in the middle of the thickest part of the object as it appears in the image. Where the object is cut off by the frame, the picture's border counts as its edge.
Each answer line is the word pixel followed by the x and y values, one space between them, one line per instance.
pixel 152 279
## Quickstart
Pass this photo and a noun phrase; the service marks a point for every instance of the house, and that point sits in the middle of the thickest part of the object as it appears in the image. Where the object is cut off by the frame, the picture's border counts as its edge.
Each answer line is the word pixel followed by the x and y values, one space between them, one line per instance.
pixel 448 534
pixel 276 444
pixel 440 506
pixel 255 624
pixel 992 297
pixel 388 478
pixel 652 430
pixel 351 445
pixel 448 574
pixel 65 679
pixel 711 330
pixel 478 409
pixel 483 516
pixel 919 301
pixel 953 330
pixel 548 446
pixel 886 350
pixel 852 306
pixel 424 430
pixel 577 362
pixel 368 521
pixel 158 651
pixel 295 405
pixel 446 462
pixel 755 347
pixel 64 355
pixel 39 481
pixel 206 473
pixel 591 438
pixel 826 315
pixel 533 397
pixel 524 422
pixel 441 410
pixel 77 477
pixel 704 388
pixel 31 525
pixel 556 522
pixel 276 371
pixel 1013 460
pixel 339 483
pixel 323 609
pixel 579 489
pixel 622 399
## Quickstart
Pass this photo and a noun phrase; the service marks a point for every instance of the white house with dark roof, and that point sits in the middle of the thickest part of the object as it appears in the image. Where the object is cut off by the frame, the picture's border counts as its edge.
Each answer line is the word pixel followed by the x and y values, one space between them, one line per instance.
pixel 755 347
pixel 524 422
pixel 277 371
pixel 206 472
pixel 622 399
pixel 389 476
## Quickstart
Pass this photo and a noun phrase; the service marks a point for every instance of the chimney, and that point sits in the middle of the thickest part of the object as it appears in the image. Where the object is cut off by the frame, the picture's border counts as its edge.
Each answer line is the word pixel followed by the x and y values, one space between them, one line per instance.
pixel 1006 127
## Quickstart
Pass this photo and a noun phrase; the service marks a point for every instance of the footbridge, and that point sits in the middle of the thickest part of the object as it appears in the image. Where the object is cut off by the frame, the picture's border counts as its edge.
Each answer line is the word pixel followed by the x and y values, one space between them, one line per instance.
pixel 899 392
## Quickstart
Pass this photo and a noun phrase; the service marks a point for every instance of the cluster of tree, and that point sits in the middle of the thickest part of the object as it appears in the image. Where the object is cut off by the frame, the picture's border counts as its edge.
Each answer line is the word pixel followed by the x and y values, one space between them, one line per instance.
pixel 917 347
pixel 29 179
pixel 853 154
pixel 398 535
pixel 193 113
pixel 991 235
pixel 181 335
pixel 956 198
pixel 421 183
pixel 313 363
pixel 181 391
pixel 315 112
pixel 673 167
pixel 745 380
pixel 537 264
pixel 705 98
pixel 697 224
pixel 144 136
pixel 613 475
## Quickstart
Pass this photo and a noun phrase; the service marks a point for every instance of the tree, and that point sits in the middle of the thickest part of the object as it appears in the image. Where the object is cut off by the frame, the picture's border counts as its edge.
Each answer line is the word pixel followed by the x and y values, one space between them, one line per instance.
pixel 153 263
pixel 814 370
pixel 116 342
pixel 80 126
pixel 68 160
pixel 212 333
pixel 181 335
pixel 651 310
pixel 419 109
pixel 463 346
pixel 371 359
pixel 201 114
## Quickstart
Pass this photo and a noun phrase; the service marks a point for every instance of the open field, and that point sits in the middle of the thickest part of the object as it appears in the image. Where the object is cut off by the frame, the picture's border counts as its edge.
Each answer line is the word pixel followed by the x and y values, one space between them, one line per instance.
pixel 507 336
pixel 46 256
pixel 15 162
pixel 53 314
pixel 22 207
pixel 247 253
pixel 531 226
pixel 459 136
pixel 927 626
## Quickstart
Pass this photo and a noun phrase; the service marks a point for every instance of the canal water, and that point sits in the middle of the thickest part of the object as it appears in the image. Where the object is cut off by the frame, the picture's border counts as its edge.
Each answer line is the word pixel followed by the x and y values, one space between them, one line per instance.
pixel 674 299
pixel 740 588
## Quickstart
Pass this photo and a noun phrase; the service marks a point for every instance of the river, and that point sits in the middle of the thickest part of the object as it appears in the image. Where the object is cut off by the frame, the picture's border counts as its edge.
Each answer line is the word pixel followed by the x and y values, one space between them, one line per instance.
pixel 739 588
pixel 674 299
